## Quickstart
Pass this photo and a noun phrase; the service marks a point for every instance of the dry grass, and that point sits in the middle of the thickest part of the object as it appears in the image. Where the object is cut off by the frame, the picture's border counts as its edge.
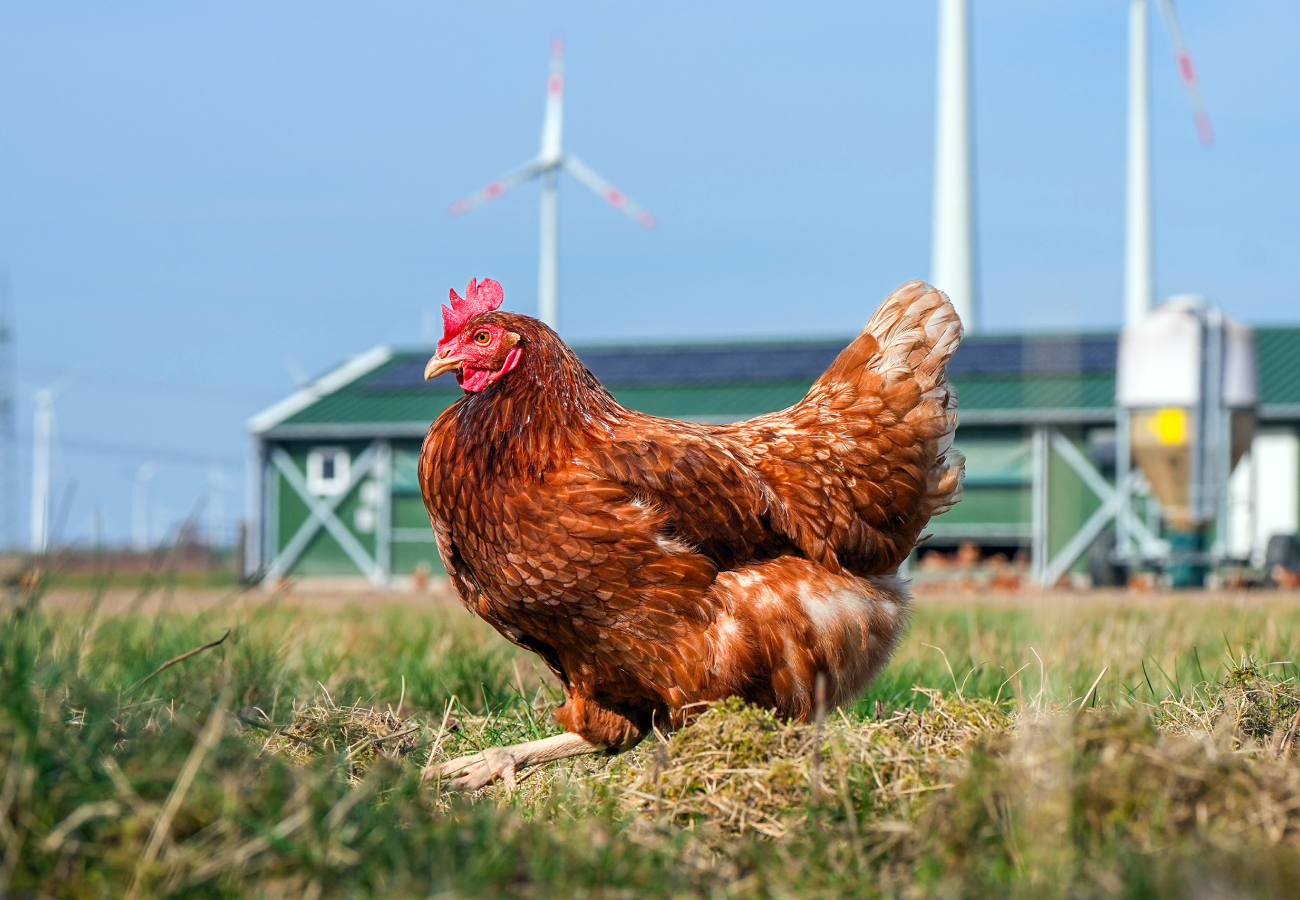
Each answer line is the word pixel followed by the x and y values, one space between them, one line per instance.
pixel 358 733
pixel 1255 704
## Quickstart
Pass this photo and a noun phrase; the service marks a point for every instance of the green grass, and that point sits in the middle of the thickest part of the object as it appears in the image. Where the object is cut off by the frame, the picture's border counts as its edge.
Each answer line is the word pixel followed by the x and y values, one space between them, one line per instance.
pixel 979 764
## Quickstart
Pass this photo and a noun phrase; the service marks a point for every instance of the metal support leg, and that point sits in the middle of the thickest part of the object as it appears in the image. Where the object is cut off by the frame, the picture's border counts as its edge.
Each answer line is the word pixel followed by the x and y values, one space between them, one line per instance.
pixel 1038 499
pixel 1216 437
pixel 1123 464
pixel 384 514
pixel 1111 499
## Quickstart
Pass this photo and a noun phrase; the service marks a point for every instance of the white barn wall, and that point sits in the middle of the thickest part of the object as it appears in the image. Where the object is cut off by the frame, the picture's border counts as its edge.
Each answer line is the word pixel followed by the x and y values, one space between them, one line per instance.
pixel 1276 455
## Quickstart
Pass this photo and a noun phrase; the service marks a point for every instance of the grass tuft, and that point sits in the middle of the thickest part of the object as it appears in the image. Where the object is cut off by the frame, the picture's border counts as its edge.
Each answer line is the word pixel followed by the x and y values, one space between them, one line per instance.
pixel 358 733
pixel 1257 703
pixel 737 768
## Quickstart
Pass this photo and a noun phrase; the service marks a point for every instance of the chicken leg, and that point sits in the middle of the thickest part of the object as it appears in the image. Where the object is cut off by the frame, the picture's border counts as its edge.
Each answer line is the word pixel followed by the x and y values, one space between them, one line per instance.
pixel 469 773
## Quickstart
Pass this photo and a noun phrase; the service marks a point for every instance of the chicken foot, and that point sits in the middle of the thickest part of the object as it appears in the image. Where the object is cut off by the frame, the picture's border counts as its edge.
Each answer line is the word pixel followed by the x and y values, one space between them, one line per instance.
pixel 469 773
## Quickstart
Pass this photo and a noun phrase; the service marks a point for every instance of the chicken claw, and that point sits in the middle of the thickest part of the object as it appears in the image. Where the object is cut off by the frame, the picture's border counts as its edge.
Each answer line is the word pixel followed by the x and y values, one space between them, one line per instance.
pixel 478 770
pixel 470 773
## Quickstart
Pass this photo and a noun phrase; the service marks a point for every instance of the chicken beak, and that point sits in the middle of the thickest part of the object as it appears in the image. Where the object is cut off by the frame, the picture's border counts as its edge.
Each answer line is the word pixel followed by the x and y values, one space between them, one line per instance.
pixel 440 364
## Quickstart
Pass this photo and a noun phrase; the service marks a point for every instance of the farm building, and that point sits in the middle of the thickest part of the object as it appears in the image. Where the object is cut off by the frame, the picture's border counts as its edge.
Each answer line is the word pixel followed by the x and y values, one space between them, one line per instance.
pixel 333 467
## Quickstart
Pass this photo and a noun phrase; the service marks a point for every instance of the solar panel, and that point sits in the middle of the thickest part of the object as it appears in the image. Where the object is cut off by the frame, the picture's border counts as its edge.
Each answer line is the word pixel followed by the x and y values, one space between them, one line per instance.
pixel 978 355
pixel 408 373
pixel 1035 355
pixel 773 362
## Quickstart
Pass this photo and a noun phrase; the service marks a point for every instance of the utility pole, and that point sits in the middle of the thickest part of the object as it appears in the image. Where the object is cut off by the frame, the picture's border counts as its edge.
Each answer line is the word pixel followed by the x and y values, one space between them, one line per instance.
pixel 42 438
pixel 140 506
pixel 216 506
pixel 8 424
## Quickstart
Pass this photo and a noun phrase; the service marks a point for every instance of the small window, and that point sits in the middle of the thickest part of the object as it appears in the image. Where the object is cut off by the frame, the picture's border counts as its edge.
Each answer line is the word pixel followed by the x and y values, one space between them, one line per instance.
pixel 328 471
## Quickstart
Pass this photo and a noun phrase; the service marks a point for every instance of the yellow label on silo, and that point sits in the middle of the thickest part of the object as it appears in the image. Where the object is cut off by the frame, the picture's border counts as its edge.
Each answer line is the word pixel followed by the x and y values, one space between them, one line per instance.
pixel 1169 425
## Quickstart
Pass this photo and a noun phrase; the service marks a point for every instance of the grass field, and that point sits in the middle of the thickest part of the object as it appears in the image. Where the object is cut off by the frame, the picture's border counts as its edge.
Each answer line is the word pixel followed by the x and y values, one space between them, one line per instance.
pixel 1059 745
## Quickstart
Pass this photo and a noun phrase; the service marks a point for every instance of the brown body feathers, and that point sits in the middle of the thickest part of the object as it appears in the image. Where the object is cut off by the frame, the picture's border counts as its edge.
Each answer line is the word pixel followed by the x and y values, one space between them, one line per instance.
pixel 655 564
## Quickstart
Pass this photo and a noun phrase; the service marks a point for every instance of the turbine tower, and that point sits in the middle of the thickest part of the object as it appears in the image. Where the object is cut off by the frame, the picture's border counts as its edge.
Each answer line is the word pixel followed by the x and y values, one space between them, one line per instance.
pixel 546 166
pixel 952 268
pixel 1139 254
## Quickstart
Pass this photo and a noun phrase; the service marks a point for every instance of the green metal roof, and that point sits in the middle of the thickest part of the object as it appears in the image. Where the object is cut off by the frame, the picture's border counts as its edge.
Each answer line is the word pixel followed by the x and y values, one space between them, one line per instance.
pixel 1086 391
pixel 1277 362
pixel 998 378
pixel 355 403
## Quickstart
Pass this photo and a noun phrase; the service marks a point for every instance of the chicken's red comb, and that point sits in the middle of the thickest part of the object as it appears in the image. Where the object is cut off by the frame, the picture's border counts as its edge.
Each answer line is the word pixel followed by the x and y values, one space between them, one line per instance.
pixel 479 298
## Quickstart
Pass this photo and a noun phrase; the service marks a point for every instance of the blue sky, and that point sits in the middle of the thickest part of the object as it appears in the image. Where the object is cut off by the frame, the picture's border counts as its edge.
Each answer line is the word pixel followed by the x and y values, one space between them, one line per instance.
pixel 198 201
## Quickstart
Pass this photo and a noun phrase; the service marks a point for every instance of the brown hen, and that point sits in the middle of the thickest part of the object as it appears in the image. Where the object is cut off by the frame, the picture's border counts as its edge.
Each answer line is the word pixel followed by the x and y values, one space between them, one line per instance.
pixel 657 565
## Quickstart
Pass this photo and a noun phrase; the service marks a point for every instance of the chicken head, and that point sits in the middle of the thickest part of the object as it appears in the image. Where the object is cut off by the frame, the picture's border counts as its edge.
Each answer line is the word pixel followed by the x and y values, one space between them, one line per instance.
pixel 479 351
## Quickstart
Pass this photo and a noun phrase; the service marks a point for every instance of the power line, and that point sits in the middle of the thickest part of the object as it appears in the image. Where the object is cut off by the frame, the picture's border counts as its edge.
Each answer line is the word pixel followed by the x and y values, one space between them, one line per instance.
pixel 111 382
pixel 161 454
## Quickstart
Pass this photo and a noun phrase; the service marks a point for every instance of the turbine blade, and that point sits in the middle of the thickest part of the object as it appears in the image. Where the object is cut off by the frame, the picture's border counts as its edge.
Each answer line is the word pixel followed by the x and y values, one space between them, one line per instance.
pixel 1187 71
pixel 553 124
pixel 611 195
pixel 495 189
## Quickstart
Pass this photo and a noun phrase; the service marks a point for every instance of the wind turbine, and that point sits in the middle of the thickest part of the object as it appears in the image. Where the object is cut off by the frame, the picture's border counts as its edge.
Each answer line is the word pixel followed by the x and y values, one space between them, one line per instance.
pixel 1139 278
pixel 546 166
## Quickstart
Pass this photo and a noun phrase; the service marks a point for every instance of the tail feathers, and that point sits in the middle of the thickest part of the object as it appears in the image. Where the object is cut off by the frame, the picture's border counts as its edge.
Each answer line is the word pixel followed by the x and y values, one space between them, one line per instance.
pixel 911 337
pixel 943 482
pixel 916 331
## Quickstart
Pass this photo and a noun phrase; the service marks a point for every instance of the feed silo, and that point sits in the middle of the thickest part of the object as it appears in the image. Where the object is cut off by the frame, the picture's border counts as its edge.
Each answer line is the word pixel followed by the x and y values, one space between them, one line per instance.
pixel 1186 383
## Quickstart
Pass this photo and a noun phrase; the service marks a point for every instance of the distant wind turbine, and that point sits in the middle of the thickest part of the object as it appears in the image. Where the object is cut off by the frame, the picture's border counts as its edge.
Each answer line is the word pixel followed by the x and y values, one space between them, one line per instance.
pixel 547 165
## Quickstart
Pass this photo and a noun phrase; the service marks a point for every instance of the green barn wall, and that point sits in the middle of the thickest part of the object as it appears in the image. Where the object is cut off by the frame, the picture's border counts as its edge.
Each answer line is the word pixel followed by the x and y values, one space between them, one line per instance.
pixel 413 542
pixel 997 495
pixel 323 555
pixel 996 509
pixel 1069 504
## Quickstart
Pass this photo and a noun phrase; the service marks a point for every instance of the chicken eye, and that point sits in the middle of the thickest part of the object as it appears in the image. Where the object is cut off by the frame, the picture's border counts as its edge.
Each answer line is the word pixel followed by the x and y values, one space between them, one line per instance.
pixel 482 338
